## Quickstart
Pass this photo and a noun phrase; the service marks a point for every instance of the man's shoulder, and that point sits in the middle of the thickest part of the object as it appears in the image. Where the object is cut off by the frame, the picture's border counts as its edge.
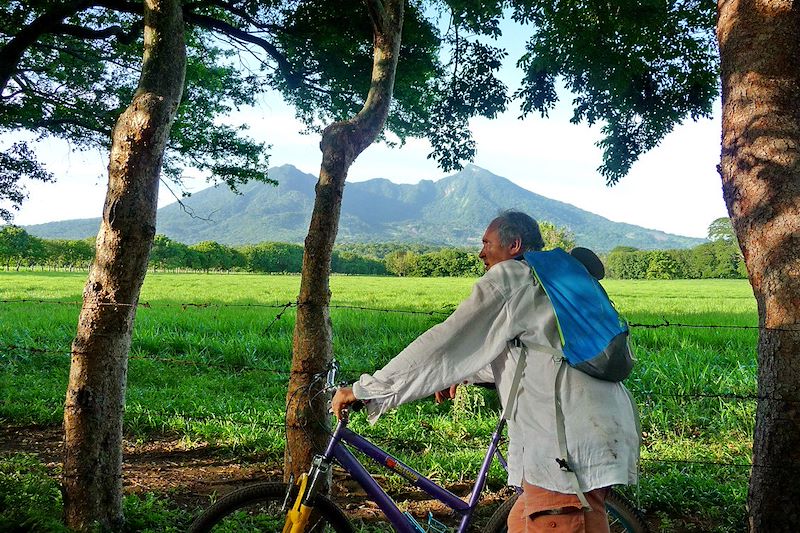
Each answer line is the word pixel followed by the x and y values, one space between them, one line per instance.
pixel 507 275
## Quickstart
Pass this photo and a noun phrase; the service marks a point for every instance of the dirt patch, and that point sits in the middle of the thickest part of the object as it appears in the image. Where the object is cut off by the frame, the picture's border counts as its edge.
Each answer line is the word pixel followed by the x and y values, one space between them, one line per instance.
pixel 189 474
pixel 165 465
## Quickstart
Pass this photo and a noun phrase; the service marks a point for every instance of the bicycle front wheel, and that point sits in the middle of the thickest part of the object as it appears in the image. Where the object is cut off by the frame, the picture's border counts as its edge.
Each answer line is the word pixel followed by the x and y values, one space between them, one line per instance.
pixel 623 517
pixel 257 508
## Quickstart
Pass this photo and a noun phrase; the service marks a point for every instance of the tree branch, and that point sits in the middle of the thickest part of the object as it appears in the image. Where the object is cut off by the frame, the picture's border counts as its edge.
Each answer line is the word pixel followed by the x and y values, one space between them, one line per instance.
pixel 386 48
pixel 52 22
pixel 377 14
pixel 88 58
pixel 81 32
pixel 11 53
pixel 293 79
pixel 185 208
pixel 234 10
pixel 46 123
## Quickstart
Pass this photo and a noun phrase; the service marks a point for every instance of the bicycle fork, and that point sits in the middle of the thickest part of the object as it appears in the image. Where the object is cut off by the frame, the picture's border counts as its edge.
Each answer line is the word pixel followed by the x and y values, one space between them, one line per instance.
pixel 297 517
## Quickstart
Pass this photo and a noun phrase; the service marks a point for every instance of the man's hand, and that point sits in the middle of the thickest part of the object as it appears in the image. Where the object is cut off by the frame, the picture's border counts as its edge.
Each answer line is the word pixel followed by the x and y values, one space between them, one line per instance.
pixel 341 400
pixel 446 394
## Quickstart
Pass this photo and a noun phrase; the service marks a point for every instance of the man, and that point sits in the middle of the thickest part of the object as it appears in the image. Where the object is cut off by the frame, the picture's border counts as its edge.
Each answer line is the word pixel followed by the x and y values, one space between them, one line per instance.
pixel 473 345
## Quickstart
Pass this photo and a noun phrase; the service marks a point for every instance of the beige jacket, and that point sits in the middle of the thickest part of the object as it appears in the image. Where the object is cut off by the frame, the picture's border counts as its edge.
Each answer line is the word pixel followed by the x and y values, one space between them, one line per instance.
pixel 473 345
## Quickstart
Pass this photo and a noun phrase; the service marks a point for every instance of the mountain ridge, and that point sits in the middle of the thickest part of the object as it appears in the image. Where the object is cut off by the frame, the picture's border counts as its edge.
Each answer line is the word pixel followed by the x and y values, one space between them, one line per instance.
pixel 451 211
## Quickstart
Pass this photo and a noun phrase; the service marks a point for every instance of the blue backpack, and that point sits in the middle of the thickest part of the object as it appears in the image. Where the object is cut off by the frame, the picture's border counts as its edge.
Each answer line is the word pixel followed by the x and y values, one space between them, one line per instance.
pixel 594 337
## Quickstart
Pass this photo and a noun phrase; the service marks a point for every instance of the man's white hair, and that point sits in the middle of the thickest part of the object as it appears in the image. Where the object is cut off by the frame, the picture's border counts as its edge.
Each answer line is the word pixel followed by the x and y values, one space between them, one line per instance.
pixel 513 225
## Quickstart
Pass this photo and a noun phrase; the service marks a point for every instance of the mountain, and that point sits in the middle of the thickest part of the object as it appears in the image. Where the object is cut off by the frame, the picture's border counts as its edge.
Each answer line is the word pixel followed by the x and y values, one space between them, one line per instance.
pixel 453 211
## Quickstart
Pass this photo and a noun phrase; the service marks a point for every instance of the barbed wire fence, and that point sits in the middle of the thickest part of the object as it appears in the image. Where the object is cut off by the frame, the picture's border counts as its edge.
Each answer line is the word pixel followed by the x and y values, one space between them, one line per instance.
pixel 9 351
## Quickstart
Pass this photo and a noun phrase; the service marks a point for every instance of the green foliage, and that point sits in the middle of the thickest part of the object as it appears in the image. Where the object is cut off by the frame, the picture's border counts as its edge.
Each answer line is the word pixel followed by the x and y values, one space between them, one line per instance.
pixel 19 248
pixel 30 500
pixel 445 262
pixel 663 266
pixel 327 42
pixel 717 259
pixel 168 254
pixel 72 80
pixel 638 68
pixel 66 253
pixel 347 263
pixel 273 257
pixel 721 229
pixel 401 263
pixel 627 265
pixel 16 246
pixel 380 250
pixel 68 69
pixel 211 255
pixel 556 237
pixel 624 249
pixel 16 163
pixel 150 513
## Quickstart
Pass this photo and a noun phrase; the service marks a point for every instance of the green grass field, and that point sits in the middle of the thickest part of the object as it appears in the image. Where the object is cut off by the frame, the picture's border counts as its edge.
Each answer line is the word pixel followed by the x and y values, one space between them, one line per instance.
pixel 210 355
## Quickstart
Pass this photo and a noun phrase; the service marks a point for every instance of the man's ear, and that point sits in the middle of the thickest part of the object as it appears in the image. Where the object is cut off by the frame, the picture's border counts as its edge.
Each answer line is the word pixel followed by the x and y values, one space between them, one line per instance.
pixel 516 247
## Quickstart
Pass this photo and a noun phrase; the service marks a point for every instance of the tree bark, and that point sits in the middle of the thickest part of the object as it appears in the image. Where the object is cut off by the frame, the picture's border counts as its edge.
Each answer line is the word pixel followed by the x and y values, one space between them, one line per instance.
pixel 96 393
pixel 342 142
pixel 760 58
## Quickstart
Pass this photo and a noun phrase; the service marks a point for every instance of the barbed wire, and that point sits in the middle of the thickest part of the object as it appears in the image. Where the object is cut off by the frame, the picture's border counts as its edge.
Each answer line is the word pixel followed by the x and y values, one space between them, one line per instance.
pixel 668 324
pixel 442 443
pixel 696 462
pixel 227 417
pixel 286 306
pixel 204 305
pixel 434 442
pixel 10 349
pixel 280 374
pixel 427 312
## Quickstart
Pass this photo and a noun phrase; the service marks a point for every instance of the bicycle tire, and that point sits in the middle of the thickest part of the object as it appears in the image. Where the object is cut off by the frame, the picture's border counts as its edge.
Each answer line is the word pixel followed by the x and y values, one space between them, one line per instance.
pixel 258 508
pixel 621 511
pixel 623 517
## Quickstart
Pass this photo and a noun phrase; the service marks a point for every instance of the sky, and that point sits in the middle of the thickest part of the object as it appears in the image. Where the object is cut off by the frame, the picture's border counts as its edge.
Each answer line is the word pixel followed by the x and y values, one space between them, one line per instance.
pixel 674 187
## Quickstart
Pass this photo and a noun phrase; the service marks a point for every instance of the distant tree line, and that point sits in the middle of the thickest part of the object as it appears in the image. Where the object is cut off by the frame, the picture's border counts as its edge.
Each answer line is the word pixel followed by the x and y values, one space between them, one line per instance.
pixel 719 258
pixel 20 249
pixel 707 260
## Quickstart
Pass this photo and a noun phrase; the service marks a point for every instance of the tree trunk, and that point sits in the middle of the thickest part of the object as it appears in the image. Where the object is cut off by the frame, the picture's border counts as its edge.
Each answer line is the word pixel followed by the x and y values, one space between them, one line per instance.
pixel 341 143
pixel 760 58
pixel 96 393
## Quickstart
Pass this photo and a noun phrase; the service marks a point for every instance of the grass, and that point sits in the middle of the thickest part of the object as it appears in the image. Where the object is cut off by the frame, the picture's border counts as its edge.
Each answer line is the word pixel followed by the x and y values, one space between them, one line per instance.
pixel 209 359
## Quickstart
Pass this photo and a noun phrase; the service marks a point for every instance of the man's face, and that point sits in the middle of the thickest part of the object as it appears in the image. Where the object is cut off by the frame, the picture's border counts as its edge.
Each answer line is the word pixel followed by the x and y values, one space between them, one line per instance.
pixel 493 251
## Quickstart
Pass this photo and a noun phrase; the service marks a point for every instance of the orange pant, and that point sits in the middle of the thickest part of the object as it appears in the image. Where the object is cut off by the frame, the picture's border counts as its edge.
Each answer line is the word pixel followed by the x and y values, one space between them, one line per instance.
pixel 538 510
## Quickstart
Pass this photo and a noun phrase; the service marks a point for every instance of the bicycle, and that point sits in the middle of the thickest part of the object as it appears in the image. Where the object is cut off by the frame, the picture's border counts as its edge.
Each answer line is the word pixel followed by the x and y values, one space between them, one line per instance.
pixel 297 508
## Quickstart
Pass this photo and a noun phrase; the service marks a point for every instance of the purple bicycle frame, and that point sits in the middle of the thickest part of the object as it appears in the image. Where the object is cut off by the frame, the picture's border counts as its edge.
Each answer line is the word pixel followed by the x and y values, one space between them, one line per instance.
pixel 337 450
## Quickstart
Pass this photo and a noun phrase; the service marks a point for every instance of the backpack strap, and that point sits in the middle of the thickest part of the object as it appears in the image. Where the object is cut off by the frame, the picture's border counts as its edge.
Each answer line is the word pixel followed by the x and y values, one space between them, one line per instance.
pixel 563 461
pixel 508 410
